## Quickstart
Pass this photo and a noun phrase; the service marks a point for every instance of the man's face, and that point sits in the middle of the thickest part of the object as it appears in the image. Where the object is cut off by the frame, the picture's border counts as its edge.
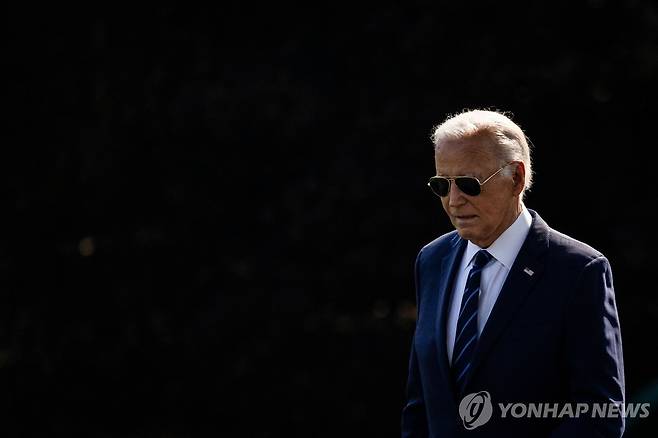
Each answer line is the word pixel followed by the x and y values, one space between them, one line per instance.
pixel 482 218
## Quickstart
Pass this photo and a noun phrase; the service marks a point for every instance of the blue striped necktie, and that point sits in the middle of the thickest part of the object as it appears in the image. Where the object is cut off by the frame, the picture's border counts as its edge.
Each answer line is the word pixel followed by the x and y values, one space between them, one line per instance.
pixel 466 336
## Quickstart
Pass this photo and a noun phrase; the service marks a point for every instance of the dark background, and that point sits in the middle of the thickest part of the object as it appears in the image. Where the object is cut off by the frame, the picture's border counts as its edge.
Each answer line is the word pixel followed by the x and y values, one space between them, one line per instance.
pixel 212 214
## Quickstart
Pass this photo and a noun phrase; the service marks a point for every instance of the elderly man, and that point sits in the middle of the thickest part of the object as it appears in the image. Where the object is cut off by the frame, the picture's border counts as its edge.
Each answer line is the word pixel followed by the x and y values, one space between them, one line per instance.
pixel 510 311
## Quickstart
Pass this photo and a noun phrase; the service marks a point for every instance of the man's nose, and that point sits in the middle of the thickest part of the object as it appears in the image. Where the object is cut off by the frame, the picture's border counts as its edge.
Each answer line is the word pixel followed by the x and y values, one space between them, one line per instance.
pixel 455 196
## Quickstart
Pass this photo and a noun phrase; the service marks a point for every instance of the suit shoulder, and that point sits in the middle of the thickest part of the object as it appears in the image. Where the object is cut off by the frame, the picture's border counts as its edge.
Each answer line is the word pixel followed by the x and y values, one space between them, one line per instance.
pixel 440 244
pixel 571 249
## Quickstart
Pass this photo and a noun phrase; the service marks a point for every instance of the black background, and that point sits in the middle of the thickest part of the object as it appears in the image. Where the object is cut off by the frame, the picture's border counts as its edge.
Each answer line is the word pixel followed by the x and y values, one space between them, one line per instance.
pixel 212 213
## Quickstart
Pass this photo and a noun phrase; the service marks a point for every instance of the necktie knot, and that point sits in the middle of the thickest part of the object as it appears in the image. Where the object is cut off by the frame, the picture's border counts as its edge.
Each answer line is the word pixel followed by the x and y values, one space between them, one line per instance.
pixel 482 257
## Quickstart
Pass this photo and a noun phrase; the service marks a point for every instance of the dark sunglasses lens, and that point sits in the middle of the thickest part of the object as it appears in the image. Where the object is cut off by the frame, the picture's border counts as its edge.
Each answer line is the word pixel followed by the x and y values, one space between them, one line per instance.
pixel 440 186
pixel 469 186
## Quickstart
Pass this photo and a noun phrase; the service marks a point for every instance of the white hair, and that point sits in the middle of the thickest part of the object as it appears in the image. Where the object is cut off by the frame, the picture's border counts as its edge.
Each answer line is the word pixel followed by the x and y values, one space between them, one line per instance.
pixel 508 139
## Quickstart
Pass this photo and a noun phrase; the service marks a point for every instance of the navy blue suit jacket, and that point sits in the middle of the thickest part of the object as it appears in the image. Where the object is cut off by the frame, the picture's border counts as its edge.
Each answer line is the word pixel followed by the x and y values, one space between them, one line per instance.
pixel 552 337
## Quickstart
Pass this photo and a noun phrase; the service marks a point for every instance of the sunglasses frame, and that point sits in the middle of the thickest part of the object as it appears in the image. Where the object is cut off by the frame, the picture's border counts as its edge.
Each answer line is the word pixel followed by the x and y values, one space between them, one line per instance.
pixel 452 179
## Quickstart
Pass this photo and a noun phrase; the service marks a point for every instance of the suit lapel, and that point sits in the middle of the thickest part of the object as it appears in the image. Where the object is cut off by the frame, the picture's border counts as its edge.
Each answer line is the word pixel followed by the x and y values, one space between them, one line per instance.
pixel 449 266
pixel 525 272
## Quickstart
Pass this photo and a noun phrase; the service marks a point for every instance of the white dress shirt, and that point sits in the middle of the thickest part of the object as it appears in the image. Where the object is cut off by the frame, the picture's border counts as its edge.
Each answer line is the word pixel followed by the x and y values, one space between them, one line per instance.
pixel 504 251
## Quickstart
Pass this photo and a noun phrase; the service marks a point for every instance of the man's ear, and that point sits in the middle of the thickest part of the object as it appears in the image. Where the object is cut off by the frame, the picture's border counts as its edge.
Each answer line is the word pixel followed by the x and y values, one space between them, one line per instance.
pixel 519 177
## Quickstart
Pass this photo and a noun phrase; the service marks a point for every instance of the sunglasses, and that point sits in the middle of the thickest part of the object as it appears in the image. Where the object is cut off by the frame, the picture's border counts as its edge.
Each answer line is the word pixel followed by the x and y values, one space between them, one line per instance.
pixel 469 185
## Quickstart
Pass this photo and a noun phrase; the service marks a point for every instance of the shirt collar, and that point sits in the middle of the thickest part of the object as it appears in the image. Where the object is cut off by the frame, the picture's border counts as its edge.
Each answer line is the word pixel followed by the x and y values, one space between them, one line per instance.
pixel 506 247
